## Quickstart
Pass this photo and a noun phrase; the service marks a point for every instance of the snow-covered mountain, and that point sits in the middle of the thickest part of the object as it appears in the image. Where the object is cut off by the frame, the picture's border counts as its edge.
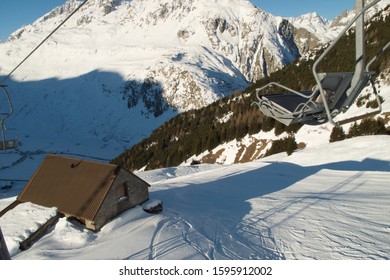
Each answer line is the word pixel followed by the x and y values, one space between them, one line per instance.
pixel 152 57
pixel 180 44
pixel 312 30
pixel 344 18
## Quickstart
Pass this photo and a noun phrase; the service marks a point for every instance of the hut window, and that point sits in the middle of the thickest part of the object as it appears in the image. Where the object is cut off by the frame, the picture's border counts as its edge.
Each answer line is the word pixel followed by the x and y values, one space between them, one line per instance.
pixel 121 192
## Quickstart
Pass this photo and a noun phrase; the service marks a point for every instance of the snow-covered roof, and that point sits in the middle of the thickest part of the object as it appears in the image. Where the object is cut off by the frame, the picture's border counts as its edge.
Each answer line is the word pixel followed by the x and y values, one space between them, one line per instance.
pixel 18 223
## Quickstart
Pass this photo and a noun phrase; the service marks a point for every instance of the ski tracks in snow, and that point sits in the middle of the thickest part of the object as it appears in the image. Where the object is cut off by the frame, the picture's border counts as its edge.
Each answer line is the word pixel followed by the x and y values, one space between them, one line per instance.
pixel 174 235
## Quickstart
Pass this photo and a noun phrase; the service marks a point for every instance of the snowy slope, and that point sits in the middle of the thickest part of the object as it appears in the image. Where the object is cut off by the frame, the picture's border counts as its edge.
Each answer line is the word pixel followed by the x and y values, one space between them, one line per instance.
pixel 325 202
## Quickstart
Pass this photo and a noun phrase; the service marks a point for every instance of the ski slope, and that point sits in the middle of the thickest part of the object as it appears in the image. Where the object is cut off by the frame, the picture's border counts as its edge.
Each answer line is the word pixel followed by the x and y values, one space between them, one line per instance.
pixel 325 202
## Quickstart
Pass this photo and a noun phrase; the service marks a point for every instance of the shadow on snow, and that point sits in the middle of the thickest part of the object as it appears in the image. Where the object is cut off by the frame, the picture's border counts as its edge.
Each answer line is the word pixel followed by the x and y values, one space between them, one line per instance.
pixel 218 209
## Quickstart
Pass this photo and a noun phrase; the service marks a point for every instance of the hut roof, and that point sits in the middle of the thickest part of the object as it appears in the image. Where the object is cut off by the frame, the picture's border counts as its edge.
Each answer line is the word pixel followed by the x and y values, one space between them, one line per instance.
pixel 76 187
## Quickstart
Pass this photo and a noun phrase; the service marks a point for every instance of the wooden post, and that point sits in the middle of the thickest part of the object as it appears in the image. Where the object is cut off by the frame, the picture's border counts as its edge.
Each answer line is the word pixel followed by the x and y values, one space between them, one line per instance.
pixel 4 254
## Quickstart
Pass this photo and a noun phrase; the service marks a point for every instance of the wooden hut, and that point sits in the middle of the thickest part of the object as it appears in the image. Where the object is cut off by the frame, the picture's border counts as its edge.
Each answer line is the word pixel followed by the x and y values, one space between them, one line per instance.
pixel 91 192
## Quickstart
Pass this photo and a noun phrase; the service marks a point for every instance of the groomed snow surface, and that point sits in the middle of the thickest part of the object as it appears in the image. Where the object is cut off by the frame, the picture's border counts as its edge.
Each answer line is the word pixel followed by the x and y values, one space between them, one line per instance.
pixel 325 202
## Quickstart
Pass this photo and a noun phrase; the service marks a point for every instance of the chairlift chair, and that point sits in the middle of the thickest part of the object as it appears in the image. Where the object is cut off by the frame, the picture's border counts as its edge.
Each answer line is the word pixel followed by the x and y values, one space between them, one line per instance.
pixel 334 92
pixel 6 144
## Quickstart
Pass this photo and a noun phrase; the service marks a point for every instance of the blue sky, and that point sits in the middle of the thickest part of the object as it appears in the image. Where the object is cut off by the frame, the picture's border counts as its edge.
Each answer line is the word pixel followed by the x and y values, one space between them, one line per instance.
pixel 287 8
pixel 16 13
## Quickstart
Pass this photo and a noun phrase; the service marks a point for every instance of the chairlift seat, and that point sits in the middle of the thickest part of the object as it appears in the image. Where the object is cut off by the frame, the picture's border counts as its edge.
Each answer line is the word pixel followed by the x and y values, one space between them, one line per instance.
pixel 283 107
pixel 287 101
pixel 8 144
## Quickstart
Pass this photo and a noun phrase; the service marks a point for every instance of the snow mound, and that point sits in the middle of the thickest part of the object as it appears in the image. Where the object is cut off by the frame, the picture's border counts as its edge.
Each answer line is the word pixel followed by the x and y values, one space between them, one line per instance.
pixel 19 223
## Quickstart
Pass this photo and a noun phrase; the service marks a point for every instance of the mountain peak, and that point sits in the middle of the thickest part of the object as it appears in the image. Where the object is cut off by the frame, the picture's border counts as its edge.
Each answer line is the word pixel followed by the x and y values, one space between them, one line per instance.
pixel 314 16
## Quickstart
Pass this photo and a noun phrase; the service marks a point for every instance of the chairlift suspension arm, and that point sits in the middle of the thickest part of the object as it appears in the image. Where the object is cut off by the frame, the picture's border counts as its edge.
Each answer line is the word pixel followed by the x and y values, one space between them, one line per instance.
pixel 387 46
pixel 369 114
pixel 359 16
pixel 11 109
pixel 7 115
